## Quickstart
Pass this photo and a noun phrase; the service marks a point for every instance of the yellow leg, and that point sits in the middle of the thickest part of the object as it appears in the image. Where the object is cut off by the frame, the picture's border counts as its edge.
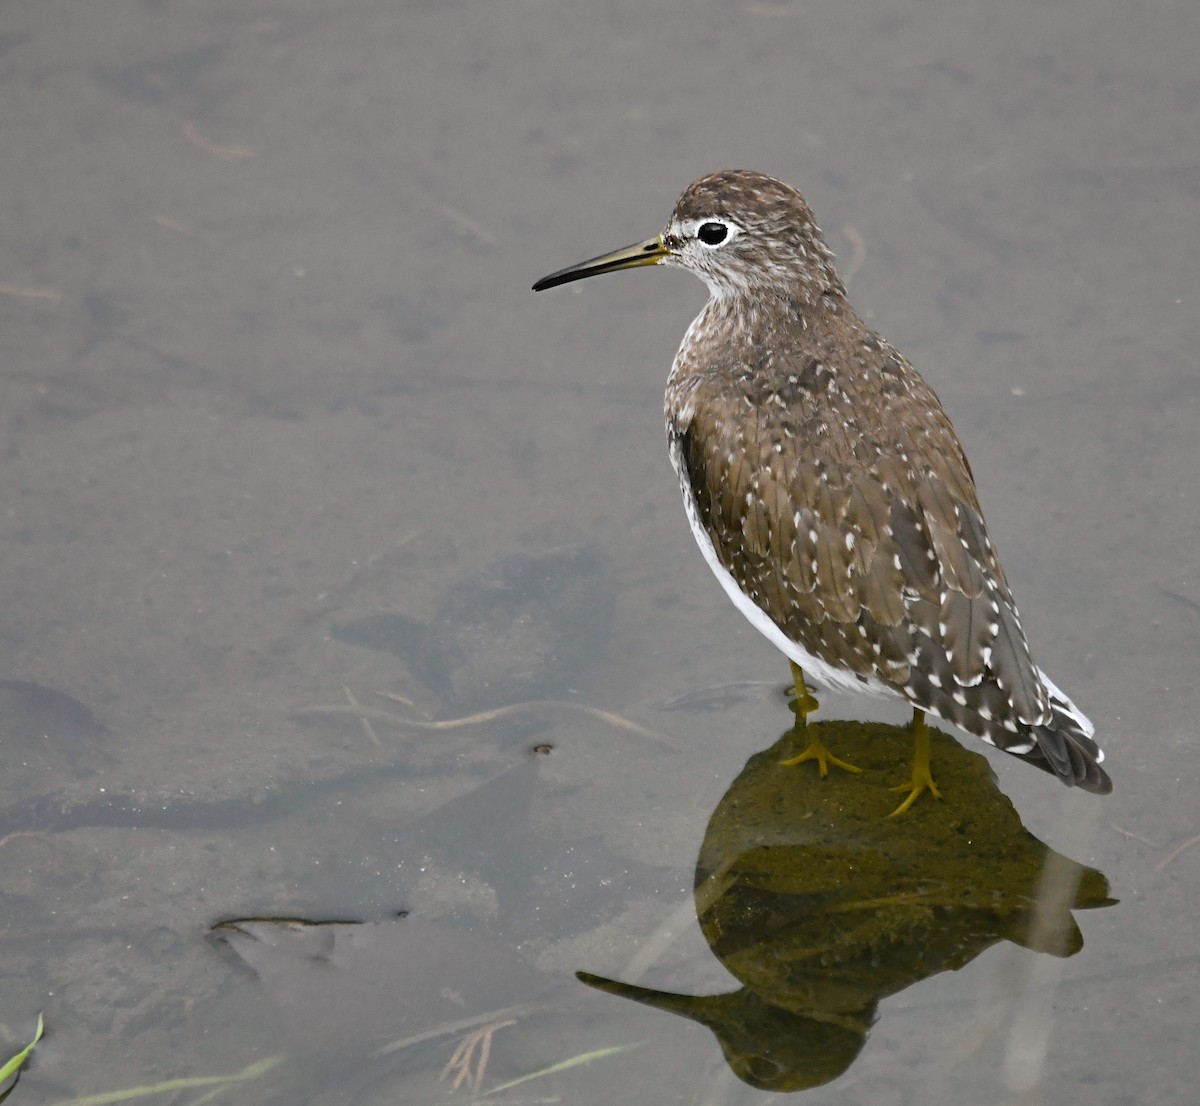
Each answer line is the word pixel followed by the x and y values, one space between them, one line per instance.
pixel 922 778
pixel 804 704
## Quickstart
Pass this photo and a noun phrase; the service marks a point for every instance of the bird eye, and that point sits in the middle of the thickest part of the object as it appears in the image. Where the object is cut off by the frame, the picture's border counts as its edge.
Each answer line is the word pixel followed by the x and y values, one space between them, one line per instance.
pixel 712 234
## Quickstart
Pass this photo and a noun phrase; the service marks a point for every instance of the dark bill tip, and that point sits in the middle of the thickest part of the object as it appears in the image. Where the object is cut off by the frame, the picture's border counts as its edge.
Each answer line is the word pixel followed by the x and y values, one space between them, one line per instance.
pixel 650 252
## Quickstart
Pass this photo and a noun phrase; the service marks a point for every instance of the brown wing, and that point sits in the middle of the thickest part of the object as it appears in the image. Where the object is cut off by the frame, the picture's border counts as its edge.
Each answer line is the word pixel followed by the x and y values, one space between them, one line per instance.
pixel 854 523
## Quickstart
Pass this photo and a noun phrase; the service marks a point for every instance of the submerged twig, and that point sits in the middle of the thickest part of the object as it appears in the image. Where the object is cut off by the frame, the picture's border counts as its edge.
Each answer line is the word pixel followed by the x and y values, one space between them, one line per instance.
pixel 479 718
pixel 29 293
pixel 704 697
pixel 224 150
pixel 1174 853
pixel 668 931
pixel 459 218
pixel 446 1028
pixel 1135 836
pixel 366 722
pixel 470 1071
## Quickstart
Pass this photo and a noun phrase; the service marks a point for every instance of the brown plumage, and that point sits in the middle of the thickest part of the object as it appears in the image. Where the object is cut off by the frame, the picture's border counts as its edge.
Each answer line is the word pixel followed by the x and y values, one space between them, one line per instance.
pixel 827 488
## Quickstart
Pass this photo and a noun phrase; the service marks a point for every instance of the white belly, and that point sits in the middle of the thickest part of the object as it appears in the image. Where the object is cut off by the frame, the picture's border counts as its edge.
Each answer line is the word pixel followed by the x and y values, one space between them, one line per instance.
pixel 836 679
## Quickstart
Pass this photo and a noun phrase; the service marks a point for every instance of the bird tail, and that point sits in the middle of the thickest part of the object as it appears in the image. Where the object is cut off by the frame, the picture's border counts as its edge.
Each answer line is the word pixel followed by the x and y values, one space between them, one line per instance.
pixel 1065 745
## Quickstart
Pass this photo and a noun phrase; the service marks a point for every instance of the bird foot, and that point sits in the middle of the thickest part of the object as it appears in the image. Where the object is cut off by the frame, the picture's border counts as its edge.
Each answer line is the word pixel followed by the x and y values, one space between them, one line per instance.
pixel 922 777
pixel 816 750
pixel 922 781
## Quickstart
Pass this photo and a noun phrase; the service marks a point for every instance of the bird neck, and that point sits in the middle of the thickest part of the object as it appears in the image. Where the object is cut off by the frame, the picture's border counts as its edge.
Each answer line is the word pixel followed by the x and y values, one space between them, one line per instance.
pixel 748 317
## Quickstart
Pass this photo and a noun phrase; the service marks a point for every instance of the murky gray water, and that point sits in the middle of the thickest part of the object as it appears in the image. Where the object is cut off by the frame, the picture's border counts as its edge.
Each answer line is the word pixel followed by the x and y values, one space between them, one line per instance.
pixel 272 369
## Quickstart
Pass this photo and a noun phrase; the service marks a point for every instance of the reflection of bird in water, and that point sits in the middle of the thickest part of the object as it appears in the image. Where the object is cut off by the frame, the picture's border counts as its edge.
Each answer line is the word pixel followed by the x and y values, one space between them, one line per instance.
pixel 821 909
pixel 829 493
pixel 769 1047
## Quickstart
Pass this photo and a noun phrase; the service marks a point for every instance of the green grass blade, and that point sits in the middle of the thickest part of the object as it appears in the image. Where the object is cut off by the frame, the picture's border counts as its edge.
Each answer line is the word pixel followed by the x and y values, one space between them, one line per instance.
pixel 259 1067
pixel 564 1065
pixel 14 1065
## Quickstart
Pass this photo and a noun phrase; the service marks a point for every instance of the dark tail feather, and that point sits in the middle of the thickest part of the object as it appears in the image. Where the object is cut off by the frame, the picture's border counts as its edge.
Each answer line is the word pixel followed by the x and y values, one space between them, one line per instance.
pixel 1065 746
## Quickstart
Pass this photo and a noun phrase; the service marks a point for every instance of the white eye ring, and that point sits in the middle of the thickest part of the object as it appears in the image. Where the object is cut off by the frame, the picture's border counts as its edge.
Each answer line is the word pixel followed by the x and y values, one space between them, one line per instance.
pixel 712 233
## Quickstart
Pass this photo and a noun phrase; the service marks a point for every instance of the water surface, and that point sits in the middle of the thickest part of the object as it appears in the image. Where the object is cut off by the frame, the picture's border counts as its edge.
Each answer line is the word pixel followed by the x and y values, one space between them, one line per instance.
pixel 271 368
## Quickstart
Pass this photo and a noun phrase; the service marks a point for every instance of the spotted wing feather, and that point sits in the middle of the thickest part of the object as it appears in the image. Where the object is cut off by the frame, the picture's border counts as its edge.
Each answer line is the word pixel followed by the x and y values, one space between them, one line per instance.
pixel 888 569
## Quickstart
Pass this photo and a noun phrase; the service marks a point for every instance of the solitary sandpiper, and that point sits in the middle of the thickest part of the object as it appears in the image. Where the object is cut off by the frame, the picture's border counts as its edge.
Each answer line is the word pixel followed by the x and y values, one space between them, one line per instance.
pixel 829 493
